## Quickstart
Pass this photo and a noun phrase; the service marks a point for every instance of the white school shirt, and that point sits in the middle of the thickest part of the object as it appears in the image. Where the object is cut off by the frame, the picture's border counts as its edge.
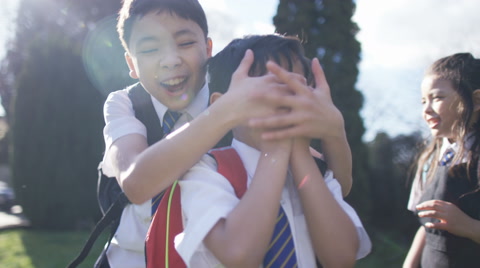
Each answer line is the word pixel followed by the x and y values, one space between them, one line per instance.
pixel 128 245
pixel 202 189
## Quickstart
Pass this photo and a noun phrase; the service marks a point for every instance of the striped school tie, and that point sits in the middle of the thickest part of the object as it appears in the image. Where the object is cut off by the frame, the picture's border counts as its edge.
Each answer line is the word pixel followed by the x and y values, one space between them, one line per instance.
pixel 281 252
pixel 447 157
pixel 169 120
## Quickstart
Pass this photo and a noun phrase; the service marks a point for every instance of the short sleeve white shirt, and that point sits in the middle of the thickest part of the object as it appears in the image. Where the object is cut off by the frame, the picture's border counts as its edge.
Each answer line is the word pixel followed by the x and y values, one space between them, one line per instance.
pixel 207 197
pixel 128 245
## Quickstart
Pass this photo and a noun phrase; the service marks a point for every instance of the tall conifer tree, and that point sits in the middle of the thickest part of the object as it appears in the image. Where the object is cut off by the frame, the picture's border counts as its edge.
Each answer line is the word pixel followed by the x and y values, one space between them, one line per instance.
pixel 57 116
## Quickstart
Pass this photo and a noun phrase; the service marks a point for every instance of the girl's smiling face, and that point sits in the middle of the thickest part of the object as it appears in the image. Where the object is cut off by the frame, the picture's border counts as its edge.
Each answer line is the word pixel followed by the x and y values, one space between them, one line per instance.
pixel 441 106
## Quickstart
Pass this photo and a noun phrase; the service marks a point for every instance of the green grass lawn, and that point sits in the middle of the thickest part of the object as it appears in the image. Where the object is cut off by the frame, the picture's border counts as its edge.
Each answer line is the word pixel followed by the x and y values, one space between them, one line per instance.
pixel 26 248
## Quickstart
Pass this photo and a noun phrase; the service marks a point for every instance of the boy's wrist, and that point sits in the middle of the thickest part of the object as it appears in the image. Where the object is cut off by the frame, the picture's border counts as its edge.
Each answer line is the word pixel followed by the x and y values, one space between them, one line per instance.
pixel 335 129
pixel 335 137
pixel 301 145
pixel 300 150
pixel 222 114
pixel 276 147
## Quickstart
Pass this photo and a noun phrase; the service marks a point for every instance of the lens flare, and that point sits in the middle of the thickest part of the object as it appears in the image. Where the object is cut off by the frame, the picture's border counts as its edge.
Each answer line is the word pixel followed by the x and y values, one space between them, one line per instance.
pixel 103 57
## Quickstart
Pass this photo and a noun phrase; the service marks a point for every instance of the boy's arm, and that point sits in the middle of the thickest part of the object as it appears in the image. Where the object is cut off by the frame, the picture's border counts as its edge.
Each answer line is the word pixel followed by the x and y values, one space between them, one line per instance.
pixel 333 234
pixel 338 156
pixel 415 253
pixel 144 172
pixel 242 238
pixel 125 135
pixel 313 115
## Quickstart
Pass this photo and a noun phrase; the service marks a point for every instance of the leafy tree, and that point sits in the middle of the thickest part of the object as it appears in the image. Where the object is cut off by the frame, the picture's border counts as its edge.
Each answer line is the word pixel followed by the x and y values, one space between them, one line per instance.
pixel 392 161
pixel 329 34
pixel 59 88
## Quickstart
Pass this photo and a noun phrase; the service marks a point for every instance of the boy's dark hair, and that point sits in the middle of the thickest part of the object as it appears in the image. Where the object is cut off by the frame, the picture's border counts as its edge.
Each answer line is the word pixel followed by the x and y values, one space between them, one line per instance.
pixel 133 9
pixel 265 47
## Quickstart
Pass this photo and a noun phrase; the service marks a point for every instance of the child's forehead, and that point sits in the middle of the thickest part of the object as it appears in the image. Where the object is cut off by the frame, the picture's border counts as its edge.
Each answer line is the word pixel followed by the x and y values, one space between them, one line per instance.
pixel 436 84
pixel 162 18
pixel 160 24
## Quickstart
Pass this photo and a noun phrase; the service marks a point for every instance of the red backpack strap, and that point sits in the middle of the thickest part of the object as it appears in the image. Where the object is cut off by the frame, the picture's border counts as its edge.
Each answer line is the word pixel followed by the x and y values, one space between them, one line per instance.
pixel 230 165
pixel 159 248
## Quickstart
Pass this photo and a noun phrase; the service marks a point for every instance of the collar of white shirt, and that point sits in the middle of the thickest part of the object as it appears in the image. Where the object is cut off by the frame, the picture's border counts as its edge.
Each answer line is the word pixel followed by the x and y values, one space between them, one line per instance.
pixel 446 145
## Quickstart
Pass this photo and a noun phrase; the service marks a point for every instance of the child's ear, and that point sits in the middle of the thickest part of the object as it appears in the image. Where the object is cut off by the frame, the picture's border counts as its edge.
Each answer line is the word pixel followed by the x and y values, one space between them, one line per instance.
pixel 476 100
pixel 209 47
pixel 214 97
pixel 131 66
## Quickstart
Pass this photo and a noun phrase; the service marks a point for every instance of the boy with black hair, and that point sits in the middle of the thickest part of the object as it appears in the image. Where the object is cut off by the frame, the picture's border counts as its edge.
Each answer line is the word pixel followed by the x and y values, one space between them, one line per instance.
pixel 167 46
pixel 316 223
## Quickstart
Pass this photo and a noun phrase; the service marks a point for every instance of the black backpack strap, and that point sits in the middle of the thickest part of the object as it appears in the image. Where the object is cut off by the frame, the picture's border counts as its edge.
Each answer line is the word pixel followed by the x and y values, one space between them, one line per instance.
pixel 110 215
pixel 145 112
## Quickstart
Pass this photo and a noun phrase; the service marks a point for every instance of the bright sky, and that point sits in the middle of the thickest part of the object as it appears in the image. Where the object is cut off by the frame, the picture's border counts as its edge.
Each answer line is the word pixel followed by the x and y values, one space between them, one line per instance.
pixel 6 14
pixel 399 38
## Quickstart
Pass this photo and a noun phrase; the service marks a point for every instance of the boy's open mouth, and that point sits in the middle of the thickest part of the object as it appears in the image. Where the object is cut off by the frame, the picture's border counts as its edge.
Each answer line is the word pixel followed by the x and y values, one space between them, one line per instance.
pixel 175 84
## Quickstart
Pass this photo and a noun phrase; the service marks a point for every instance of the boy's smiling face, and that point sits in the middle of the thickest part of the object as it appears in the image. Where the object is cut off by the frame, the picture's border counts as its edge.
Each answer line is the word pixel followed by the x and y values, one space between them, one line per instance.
pixel 168 55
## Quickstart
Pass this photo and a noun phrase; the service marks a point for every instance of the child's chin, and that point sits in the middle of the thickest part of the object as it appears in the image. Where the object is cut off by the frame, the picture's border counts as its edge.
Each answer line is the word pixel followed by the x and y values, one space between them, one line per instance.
pixel 179 103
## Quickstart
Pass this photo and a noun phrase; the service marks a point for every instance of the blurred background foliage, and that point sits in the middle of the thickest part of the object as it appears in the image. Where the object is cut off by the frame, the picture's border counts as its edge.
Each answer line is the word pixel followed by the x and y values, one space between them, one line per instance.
pixel 63 60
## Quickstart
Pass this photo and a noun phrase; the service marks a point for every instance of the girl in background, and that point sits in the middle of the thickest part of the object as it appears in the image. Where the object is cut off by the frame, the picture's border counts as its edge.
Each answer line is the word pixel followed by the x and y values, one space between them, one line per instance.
pixel 446 193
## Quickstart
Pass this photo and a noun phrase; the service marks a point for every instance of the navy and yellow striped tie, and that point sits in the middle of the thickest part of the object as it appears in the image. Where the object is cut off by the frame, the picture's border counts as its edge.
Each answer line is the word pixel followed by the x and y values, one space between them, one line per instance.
pixel 281 252
pixel 169 120
pixel 447 157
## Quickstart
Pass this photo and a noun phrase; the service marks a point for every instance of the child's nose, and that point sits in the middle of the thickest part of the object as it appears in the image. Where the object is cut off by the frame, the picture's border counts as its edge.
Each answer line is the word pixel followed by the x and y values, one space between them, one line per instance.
pixel 171 60
pixel 427 107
